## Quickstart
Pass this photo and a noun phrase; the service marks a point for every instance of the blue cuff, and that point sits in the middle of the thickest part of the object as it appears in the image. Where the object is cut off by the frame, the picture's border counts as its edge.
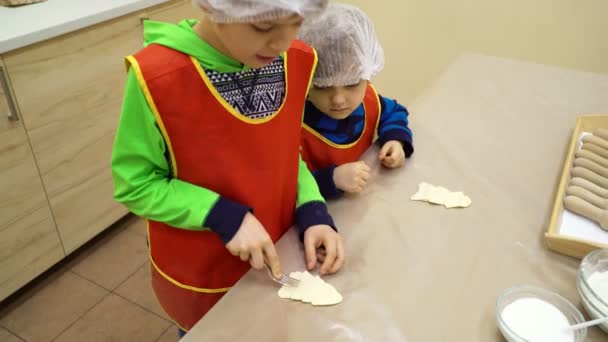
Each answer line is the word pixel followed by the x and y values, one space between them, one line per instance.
pixel 226 217
pixel 312 214
pixel 401 136
pixel 325 181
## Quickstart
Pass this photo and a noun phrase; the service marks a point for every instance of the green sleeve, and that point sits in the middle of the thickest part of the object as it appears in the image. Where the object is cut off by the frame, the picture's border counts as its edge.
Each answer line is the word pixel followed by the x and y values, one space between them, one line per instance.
pixel 308 190
pixel 141 171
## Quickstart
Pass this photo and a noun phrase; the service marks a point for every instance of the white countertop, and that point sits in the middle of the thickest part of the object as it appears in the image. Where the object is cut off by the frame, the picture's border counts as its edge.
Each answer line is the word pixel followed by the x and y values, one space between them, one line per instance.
pixel 494 128
pixel 26 25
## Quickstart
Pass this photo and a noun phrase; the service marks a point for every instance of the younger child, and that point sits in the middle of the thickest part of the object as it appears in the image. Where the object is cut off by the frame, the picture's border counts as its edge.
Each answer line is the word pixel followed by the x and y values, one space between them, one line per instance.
pixel 344 113
pixel 207 149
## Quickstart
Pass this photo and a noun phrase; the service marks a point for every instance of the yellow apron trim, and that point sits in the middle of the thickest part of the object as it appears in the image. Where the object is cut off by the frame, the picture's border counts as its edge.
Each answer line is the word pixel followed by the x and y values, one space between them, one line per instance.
pixel 159 120
pixel 179 326
pixel 312 71
pixel 127 64
pixel 231 109
pixel 379 112
pixel 171 318
pixel 343 146
pixel 175 282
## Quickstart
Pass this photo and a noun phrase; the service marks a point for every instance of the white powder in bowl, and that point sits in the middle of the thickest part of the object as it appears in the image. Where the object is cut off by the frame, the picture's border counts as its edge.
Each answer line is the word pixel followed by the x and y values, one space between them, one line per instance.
pixel 598 281
pixel 537 321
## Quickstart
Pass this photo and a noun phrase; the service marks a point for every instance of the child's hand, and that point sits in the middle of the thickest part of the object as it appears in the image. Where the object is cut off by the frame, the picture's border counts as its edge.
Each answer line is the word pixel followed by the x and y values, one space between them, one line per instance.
pixel 351 177
pixel 392 155
pixel 253 244
pixel 317 238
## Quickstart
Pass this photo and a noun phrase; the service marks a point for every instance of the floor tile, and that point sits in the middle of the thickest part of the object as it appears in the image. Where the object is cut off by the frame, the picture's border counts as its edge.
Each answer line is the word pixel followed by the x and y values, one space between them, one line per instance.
pixel 116 319
pixel 138 289
pixel 137 225
pixel 170 335
pixel 7 336
pixel 45 310
pixel 113 258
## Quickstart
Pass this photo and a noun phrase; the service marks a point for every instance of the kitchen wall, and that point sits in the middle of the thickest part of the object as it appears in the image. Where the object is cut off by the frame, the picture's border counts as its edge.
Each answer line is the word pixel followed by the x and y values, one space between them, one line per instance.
pixel 422 37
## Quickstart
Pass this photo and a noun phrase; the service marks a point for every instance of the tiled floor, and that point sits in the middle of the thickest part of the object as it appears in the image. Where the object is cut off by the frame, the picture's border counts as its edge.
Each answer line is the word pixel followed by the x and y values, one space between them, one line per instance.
pixel 102 293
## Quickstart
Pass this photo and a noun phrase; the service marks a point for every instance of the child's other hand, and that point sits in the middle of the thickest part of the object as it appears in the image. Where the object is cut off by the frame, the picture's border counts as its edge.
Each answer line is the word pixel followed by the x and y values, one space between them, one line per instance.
pixel 352 177
pixel 392 155
pixel 322 243
pixel 253 244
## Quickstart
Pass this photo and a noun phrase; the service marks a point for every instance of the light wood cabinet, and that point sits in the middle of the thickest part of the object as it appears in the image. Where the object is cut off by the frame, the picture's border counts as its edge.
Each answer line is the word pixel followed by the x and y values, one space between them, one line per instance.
pixel 29 243
pixel 173 12
pixel 70 91
pixel 55 179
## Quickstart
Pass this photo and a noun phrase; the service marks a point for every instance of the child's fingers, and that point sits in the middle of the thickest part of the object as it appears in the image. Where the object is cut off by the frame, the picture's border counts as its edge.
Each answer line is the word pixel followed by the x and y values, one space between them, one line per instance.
pixel 339 262
pixel 310 252
pixel 257 259
pixel 384 151
pixel 355 189
pixel 272 259
pixel 365 177
pixel 330 257
pixel 361 182
pixel 244 255
pixel 367 171
pixel 401 160
pixel 365 167
pixel 399 153
pixel 388 161
pixel 321 255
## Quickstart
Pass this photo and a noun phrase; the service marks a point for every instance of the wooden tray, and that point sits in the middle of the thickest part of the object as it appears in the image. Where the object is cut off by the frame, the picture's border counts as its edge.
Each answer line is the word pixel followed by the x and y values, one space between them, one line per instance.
pixel 572 246
pixel 11 3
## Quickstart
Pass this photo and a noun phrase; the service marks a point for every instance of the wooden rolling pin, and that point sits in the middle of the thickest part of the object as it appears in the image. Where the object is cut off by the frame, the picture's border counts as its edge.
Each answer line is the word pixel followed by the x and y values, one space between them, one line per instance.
pixel 587 210
pixel 596 158
pixel 595 149
pixel 591 166
pixel 587 196
pixel 590 176
pixel 602 133
pixel 590 139
pixel 587 185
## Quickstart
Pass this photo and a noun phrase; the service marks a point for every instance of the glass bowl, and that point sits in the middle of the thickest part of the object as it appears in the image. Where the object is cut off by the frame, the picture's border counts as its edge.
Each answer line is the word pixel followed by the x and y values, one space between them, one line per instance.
pixel 596 306
pixel 514 293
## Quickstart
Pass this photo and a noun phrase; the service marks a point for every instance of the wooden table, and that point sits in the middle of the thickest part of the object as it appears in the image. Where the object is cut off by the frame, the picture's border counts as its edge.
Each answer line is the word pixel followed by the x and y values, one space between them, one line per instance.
pixel 496 129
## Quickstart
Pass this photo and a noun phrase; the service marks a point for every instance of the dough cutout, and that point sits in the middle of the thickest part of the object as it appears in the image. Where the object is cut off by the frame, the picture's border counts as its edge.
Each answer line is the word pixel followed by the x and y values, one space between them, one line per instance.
pixel 312 289
pixel 440 195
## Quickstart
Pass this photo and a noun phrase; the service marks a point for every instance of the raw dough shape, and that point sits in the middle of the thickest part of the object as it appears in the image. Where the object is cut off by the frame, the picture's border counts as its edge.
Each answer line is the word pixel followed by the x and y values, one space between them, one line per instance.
pixel 312 289
pixel 440 195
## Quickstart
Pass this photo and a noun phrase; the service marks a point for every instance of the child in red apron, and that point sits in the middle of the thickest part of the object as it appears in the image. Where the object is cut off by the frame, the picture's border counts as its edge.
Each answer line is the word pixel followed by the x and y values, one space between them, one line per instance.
pixel 207 149
pixel 344 113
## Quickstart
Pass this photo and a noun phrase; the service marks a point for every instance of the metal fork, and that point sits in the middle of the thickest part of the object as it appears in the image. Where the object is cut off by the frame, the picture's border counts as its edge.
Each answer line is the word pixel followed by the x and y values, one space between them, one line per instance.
pixel 284 280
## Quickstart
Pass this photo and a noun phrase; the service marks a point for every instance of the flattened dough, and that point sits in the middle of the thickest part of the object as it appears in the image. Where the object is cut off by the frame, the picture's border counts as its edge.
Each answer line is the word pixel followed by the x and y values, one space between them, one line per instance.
pixel 312 289
pixel 440 195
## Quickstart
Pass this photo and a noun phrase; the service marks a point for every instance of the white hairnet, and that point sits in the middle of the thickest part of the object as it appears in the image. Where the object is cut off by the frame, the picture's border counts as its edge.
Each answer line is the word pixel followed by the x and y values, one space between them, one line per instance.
pixel 347 45
pixel 233 11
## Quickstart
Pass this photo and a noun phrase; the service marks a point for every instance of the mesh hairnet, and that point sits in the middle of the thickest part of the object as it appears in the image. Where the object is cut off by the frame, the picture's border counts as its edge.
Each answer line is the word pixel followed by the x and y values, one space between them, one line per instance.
pixel 240 11
pixel 347 46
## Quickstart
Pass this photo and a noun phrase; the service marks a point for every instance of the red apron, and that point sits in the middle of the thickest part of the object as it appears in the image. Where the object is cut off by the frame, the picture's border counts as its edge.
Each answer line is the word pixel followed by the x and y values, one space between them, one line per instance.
pixel 319 152
pixel 211 145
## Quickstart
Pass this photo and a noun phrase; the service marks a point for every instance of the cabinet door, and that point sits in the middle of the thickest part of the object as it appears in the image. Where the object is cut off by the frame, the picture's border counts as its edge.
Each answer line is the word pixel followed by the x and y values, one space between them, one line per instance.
pixel 70 92
pixel 29 243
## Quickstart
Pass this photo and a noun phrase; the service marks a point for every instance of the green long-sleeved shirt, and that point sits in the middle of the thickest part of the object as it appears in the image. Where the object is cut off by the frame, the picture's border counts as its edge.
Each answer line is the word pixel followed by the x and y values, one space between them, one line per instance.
pixel 141 171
